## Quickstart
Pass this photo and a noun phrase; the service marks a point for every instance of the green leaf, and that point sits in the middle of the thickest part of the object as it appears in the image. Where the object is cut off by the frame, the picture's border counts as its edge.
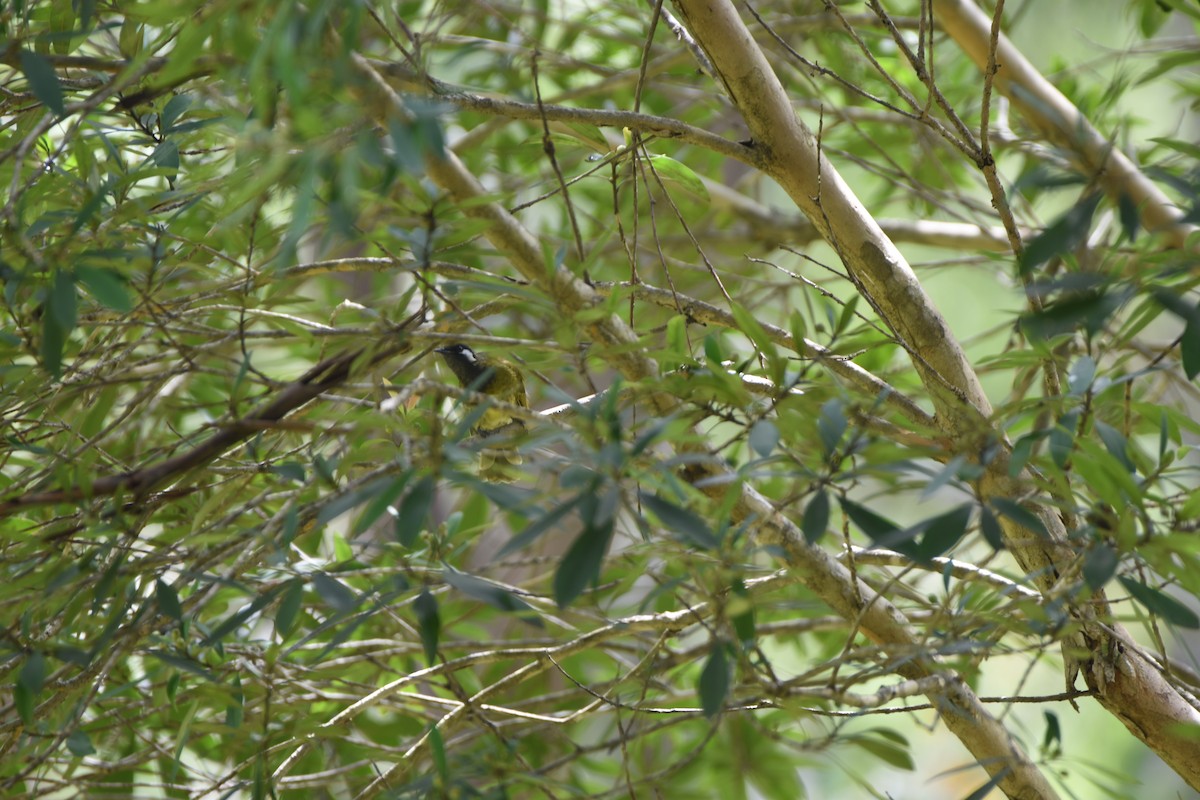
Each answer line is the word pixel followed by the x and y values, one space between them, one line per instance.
pixel 749 325
pixel 487 592
pixel 54 339
pixel 107 286
pixel 79 744
pixel 816 517
pixel 1115 443
pixel 713 686
pixel 1061 236
pixel 831 424
pixel 385 496
pixel 33 672
pixel 531 532
pixel 764 437
pixel 413 511
pixel 943 532
pixel 168 600
pixel 429 623
pixel 1099 566
pixel 1019 514
pixel 1189 344
pixel 672 171
pixel 1160 603
pixel 43 81
pixel 687 525
pixel 580 567
pixel 881 531
pixel 989 526
pixel 336 594
pixel 888 746
pixel 289 608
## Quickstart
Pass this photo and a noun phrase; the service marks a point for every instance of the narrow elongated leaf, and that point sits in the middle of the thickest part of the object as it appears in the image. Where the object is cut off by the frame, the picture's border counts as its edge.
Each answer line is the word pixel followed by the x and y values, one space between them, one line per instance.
pixel 764 436
pixel 713 686
pixel 43 81
pixel 1161 603
pixel 487 592
pixel 687 525
pixel 1061 236
pixel 989 526
pixel 414 510
pixel 429 623
pixel 816 517
pixel 580 567
pixel 831 424
pixel 1019 514
pixel 1099 566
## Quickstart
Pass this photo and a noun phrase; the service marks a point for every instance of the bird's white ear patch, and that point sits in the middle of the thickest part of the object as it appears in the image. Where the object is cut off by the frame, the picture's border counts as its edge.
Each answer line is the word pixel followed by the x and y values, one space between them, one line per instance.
pixel 468 354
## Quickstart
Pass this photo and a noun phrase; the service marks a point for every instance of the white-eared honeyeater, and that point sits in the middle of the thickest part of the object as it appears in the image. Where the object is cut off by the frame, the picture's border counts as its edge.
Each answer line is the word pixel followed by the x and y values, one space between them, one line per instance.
pixel 495 378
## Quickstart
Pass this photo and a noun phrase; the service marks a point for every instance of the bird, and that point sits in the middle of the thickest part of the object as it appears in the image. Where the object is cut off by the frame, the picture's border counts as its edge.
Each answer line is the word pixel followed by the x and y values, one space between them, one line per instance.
pixel 498 379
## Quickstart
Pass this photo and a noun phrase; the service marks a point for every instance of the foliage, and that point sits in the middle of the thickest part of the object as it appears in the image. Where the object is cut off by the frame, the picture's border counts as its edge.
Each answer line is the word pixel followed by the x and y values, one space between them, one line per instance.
pixel 245 551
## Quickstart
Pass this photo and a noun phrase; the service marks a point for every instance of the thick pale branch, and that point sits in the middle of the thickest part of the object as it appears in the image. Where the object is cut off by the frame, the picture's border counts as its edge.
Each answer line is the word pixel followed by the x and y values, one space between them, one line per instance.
pixel 832 581
pixel 1059 120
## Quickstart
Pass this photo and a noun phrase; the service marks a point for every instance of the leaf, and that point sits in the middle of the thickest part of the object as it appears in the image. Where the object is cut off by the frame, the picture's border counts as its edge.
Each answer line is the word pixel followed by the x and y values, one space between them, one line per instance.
pixel 414 509
pixel 1061 236
pixel 107 286
pixel 168 600
pixel 1189 343
pixel 539 526
pixel 1115 443
pixel 764 436
pixel 1053 735
pixel 943 532
pixel 749 325
pixel 1099 566
pixel 336 594
pixel 43 81
pixel 1081 375
pixel 1092 310
pixel 816 517
pixel 831 424
pixel 580 567
pixel 989 526
pixel 385 496
pixel 79 745
pixel 289 608
pixel 1160 603
pixel 688 526
pixel 672 171
pixel 881 531
pixel 487 592
pixel 33 672
pixel 713 685
pixel 429 623
pixel 1019 514
pixel 884 745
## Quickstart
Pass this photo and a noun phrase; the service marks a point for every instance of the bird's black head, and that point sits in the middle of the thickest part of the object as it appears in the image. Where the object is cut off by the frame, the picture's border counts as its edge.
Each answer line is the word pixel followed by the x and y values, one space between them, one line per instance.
pixel 463 362
pixel 458 352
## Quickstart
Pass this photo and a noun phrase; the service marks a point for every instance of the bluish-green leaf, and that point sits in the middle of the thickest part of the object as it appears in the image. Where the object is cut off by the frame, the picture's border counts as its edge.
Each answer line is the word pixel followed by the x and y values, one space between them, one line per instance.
pixel 764 436
pixel 107 286
pixel 816 517
pixel 487 592
pixel 429 624
pixel 43 81
pixel 580 567
pixel 713 686
pixel 414 510
pixel 687 525
pixel 1019 514
pixel 831 424
pixel 1061 236
pixel 1099 566
pixel 1160 603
